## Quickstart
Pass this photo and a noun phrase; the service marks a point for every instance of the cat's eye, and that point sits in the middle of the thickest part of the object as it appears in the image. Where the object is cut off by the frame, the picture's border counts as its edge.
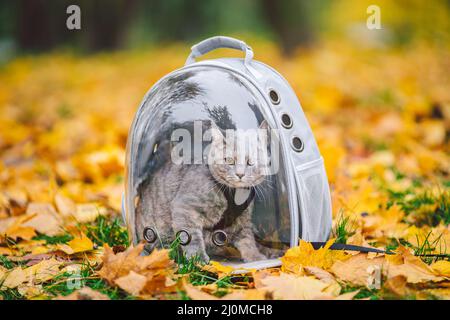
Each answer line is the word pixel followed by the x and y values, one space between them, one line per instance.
pixel 229 161
pixel 250 162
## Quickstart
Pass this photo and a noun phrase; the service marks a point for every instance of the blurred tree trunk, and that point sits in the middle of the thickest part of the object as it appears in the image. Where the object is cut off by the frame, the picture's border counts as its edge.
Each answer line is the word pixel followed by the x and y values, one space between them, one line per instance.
pixel 41 24
pixel 291 20
pixel 107 22
pixel 33 29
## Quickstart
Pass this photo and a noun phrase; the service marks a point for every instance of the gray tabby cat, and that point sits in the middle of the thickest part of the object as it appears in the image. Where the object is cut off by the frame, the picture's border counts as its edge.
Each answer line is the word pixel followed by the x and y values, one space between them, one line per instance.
pixel 191 197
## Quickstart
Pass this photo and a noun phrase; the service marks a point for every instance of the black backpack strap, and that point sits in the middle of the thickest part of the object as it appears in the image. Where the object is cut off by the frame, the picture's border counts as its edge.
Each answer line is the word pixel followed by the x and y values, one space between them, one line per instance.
pixel 348 247
pixel 233 211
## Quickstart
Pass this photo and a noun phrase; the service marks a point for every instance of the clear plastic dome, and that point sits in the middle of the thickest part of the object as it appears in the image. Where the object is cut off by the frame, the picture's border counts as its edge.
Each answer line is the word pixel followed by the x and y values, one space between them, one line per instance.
pixel 191 175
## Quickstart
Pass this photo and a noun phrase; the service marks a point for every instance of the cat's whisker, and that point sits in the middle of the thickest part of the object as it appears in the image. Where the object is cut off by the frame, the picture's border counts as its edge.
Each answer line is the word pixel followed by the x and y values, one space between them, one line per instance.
pixel 263 194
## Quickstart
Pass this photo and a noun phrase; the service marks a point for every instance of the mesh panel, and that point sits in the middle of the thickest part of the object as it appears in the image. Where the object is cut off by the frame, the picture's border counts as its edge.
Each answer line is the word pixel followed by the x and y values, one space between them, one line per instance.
pixel 315 203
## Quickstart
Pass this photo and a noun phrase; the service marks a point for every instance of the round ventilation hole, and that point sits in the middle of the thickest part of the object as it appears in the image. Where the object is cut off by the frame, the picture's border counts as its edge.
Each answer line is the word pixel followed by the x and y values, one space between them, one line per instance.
pixel 286 121
pixel 184 237
pixel 149 235
pixel 297 144
pixel 274 96
pixel 219 238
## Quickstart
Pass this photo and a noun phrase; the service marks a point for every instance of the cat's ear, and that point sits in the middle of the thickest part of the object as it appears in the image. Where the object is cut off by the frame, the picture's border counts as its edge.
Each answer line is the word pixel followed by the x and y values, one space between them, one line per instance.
pixel 216 133
pixel 264 125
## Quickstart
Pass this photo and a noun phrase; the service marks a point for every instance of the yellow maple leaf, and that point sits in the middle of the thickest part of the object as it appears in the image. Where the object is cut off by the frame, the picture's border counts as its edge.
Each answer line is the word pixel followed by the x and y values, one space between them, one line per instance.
pixel 442 268
pixel 80 244
pixel 304 255
pixel 218 268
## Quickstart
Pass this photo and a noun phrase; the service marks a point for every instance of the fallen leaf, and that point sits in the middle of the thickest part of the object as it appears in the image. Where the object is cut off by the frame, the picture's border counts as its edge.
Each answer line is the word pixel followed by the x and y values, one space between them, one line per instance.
pixel 30 291
pixel 441 268
pixel 65 206
pixel 218 268
pixel 304 255
pixel 155 267
pixel 292 287
pixel 16 230
pixel 6 251
pixel 132 283
pixel 45 219
pixel 38 273
pixel 80 244
pixel 357 270
pixel 196 293
pixel 439 293
pixel 396 285
pixel 88 212
pixel 413 268
pixel 85 293
pixel 320 274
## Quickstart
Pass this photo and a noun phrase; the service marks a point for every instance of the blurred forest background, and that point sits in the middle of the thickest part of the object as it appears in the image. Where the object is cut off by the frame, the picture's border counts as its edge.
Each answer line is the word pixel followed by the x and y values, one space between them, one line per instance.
pixel 39 25
pixel 378 102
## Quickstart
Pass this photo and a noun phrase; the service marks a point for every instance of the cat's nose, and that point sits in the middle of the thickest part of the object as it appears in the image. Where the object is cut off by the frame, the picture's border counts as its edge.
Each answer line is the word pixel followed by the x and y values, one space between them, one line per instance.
pixel 240 175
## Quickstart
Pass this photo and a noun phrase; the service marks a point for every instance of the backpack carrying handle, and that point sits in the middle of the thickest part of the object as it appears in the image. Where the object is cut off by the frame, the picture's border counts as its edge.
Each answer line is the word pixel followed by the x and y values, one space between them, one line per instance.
pixel 217 42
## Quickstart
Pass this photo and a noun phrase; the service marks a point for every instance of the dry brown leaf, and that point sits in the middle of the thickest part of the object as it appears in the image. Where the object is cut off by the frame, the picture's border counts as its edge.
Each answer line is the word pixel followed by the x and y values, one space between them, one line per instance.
pixel 347 296
pixel 249 294
pixel 38 273
pixel 120 264
pixel 30 291
pixel 88 212
pixel 3 272
pixel 6 251
pixel 45 219
pixel 15 229
pixel 396 285
pixel 132 283
pixel 413 268
pixel 65 206
pixel 320 274
pixel 199 293
pixel 196 293
pixel 261 274
pixel 155 268
pixel 439 293
pixel 291 287
pixel 85 293
pixel 357 269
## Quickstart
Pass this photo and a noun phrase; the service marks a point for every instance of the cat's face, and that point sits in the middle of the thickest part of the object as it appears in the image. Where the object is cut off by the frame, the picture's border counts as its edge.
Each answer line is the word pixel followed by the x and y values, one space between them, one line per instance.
pixel 239 160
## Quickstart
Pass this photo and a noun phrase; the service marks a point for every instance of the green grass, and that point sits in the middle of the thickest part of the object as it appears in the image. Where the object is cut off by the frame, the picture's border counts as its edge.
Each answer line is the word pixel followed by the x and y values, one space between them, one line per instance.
pixel 64 238
pixel 11 294
pixel 5 262
pixel 364 292
pixel 66 283
pixel 413 204
pixel 193 267
pixel 343 230
pixel 427 247
pixel 392 245
pixel 104 230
